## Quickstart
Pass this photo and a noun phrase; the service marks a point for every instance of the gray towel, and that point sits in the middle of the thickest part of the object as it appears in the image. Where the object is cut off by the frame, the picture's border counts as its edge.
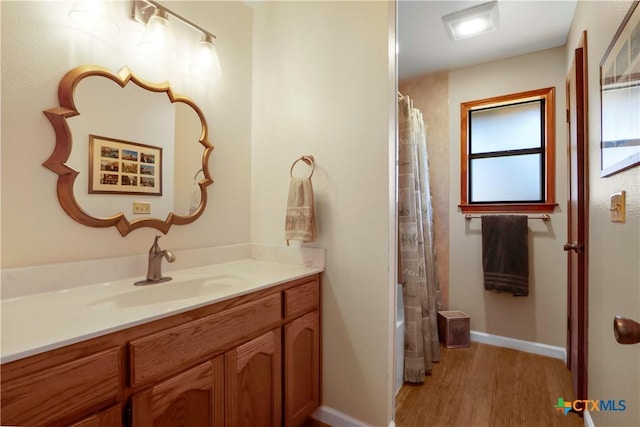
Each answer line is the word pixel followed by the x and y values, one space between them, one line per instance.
pixel 505 253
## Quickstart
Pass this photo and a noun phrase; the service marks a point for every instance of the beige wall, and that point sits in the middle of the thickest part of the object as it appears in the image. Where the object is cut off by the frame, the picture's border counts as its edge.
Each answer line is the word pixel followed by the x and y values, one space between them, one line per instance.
pixel 39 45
pixel 430 94
pixel 614 248
pixel 322 87
pixel 541 316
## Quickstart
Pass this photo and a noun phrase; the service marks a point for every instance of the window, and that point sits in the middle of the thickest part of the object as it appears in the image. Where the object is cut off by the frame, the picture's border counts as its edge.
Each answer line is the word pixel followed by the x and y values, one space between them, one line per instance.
pixel 507 153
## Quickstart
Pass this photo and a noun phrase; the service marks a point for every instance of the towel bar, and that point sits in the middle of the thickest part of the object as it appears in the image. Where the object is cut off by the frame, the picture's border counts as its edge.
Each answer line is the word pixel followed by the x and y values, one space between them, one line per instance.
pixel 544 217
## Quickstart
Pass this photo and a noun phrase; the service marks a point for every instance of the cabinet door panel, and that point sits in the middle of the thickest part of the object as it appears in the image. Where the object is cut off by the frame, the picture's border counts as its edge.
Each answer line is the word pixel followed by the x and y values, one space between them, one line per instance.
pixel 301 368
pixel 191 399
pixel 254 382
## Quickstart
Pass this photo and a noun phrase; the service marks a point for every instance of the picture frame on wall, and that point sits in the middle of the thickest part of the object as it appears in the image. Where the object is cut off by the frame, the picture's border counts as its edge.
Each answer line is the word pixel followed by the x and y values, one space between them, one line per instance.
pixel 124 167
pixel 620 97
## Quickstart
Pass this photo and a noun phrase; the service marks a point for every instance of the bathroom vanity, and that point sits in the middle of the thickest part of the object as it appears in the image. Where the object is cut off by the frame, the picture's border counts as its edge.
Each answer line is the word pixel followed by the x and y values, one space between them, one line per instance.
pixel 249 358
pixel 220 344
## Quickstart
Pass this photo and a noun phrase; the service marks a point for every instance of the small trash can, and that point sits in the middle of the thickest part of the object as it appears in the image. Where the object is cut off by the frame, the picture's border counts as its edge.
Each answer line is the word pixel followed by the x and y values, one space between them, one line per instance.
pixel 453 328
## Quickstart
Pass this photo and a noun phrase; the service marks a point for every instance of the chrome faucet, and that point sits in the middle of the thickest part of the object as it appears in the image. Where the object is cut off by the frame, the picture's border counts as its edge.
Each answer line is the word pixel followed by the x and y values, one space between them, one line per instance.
pixel 154 270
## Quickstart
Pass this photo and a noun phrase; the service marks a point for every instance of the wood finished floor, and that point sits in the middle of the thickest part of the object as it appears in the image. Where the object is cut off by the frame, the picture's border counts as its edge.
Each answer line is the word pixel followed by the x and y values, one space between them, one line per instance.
pixel 312 422
pixel 488 386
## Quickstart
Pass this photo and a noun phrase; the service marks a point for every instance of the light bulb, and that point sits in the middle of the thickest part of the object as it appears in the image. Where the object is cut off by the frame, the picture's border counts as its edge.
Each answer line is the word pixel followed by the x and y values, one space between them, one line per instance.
pixel 473 26
pixel 205 62
pixel 157 37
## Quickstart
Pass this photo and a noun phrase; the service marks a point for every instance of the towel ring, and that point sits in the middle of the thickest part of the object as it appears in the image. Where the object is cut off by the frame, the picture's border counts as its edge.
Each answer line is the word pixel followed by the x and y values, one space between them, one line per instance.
pixel 196 175
pixel 308 160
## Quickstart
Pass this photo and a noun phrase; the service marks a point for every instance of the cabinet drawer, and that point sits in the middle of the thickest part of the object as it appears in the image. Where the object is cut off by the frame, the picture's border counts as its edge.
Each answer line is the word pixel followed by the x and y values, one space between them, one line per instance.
pixel 165 352
pixel 301 299
pixel 61 391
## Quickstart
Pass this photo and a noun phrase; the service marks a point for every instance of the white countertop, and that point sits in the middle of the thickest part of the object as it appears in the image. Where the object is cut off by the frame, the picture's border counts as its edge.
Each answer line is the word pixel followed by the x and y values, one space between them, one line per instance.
pixel 37 323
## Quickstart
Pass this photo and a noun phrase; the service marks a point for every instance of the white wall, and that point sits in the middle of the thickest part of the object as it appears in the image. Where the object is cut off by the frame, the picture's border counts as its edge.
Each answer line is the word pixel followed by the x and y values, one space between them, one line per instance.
pixel 541 316
pixel 322 87
pixel 614 248
pixel 39 45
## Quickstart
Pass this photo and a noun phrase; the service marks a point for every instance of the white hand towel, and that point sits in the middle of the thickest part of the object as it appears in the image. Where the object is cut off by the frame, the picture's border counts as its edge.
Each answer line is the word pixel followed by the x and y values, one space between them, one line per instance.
pixel 300 223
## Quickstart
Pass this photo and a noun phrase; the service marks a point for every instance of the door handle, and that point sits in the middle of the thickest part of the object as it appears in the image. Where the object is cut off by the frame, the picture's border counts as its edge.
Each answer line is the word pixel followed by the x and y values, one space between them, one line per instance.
pixel 575 246
pixel 626 331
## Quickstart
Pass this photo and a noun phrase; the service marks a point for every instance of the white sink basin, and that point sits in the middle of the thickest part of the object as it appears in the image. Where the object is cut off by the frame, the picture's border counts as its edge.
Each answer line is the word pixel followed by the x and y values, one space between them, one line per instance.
pixel 178 288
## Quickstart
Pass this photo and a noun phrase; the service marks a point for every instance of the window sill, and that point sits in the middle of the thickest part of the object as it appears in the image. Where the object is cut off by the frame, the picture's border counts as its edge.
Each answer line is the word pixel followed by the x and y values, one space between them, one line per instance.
pixel 509 208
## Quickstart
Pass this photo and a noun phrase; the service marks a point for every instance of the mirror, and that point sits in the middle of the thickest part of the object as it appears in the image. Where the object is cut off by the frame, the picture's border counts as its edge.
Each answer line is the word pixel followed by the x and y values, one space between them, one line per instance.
pixel 620 98
pixel 133 145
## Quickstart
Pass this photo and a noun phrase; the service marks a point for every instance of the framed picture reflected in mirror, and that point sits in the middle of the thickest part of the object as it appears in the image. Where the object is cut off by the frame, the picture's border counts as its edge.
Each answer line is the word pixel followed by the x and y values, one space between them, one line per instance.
pixel 123 167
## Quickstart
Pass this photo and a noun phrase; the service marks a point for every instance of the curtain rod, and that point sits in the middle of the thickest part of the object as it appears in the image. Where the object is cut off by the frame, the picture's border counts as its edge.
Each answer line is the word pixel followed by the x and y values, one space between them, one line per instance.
pixel 544 217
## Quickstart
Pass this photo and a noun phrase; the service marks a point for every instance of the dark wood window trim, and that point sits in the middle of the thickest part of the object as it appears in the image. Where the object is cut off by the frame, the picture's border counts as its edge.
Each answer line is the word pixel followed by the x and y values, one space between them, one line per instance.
pixel 548 204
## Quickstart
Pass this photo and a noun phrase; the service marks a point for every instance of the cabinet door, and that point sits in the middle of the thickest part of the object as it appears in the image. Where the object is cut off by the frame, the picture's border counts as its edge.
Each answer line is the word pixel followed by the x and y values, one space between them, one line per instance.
pixel 301 368
pixel 254 382
pixel 111 417
pixel 194 398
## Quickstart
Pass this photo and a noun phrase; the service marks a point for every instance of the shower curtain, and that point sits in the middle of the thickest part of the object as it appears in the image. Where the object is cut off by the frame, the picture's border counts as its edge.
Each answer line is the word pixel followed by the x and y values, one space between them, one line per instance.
pixel 417 257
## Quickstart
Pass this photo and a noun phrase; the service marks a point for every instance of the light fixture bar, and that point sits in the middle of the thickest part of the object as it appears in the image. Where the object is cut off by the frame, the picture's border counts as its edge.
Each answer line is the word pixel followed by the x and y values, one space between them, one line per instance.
pixel 142 10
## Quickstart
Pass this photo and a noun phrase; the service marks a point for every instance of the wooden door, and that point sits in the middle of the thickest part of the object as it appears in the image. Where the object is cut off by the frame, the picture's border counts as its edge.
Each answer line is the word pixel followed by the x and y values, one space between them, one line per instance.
pixel 576 245
pixel 253 382
pixel 301 368
pixel 194 398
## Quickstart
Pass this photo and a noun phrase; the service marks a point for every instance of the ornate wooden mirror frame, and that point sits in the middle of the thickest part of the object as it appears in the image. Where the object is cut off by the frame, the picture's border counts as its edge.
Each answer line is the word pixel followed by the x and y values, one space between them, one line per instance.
pixel 64 144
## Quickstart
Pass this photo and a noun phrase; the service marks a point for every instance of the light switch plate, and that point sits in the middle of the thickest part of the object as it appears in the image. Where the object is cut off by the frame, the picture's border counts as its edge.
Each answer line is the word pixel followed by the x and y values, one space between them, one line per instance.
pixel 141 208
pixel 617 208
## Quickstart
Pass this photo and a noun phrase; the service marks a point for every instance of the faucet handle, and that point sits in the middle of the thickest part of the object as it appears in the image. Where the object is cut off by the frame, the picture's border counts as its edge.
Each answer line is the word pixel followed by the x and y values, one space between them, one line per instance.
pixel 155 247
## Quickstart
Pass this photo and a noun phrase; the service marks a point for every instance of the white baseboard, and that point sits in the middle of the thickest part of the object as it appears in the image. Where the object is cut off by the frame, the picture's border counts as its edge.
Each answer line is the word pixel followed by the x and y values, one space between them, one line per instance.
pixel 339 419
pixel 521 345
pixel 588 421
pixel 336 418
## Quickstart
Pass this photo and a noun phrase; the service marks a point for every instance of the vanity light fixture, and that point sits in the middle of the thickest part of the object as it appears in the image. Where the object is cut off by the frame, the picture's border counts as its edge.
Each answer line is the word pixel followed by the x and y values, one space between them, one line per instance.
pixel 158 37
pixel 93 16
pixel 473 21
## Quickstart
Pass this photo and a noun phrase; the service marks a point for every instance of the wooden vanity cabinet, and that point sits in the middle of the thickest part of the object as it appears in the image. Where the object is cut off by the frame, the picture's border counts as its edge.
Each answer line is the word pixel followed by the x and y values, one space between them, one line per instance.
pixel 252 361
